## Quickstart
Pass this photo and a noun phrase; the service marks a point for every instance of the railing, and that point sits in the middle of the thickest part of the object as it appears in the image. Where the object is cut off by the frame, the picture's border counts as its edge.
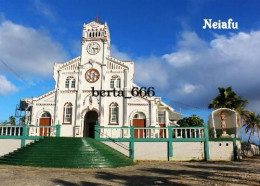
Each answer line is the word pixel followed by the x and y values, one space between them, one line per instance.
pixel 42 131
pixel 28 132
pixel 188 132
pixel 150 132
pixel 6 130
pixel 153 134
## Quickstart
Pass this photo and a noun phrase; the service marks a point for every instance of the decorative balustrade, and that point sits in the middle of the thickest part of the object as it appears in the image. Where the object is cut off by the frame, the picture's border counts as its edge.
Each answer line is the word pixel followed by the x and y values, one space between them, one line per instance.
pixel 188 132
pixel 29 130
pixel 11 130
pixel 42 131
pixel 151 132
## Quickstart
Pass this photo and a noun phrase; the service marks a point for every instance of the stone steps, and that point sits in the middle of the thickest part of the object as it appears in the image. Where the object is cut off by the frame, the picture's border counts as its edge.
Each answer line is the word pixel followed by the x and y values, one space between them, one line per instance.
pixel 67 153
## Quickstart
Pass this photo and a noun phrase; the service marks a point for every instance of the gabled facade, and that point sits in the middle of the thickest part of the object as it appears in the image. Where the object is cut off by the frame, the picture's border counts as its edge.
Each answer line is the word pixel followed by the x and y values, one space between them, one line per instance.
pixel 72 103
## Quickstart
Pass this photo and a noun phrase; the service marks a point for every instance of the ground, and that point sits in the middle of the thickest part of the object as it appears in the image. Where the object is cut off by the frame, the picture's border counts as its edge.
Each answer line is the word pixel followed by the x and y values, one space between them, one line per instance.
pixel 246 172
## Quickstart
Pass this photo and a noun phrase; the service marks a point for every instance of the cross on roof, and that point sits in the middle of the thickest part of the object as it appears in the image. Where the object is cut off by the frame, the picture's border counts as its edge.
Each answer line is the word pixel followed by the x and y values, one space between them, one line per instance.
pixel 97 17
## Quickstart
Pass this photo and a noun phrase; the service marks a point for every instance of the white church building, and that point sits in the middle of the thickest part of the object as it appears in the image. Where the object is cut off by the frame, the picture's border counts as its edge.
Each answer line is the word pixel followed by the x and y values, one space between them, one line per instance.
pixel 73 105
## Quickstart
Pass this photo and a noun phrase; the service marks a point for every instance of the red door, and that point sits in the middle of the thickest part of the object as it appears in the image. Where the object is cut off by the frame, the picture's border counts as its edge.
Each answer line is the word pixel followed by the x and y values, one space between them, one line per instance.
pixel 139 133
pixel 45 122
pixel 162 131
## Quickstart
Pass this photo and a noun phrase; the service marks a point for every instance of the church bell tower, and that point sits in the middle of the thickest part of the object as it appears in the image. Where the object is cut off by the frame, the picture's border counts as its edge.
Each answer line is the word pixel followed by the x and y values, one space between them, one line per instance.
pixel 95 42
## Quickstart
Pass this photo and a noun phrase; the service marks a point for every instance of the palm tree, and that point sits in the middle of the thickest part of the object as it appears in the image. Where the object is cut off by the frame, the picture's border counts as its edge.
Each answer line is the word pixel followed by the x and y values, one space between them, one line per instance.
pixel 227 98
pixel 252 123
pixel 12 120
pixel 242 115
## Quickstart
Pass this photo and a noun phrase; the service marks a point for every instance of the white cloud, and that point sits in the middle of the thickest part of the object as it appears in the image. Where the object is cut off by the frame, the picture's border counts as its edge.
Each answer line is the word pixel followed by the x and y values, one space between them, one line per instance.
pixel 179 59
pixel 6 86
pixel 196 68
pixel 187 89
pixel 118 54
pixel 151 72
pixel 29 52
pixel 45 9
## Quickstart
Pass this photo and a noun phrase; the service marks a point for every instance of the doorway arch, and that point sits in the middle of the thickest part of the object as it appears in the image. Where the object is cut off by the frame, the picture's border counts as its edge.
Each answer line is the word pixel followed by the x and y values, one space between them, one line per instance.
pixel 90 120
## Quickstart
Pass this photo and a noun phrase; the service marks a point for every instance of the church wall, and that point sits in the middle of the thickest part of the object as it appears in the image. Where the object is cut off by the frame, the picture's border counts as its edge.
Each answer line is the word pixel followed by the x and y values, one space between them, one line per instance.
pixel 107 102
pixel 66 97
pixel 63 98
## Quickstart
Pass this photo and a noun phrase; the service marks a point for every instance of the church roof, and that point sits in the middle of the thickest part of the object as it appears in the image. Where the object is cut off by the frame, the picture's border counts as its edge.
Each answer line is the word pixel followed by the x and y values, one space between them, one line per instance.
pixel 174 116
pixel 98 22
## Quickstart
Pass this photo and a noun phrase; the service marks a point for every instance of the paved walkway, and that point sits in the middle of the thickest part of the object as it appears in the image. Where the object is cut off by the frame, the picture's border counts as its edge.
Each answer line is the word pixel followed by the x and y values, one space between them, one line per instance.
pixel 246 172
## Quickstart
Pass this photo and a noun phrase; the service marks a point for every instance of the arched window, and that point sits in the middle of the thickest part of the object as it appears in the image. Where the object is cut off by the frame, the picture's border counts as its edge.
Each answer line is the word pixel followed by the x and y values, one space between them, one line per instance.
pixel 113 114
pixel 67 113
pixel 67 83
pixel 139 115
pixel 112 82
pixel 46 115
pixel 73 81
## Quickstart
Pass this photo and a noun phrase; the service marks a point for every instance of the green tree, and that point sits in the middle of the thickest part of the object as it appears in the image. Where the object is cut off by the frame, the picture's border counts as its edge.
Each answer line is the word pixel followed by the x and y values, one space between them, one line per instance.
pixel 252 123
pixel 192 121
pixel 227 98
pixel 12 120
pixel 22 120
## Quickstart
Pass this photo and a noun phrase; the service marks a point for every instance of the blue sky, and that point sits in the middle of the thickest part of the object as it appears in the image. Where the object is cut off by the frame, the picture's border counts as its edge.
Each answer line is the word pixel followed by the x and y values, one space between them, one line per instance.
pixel 163 37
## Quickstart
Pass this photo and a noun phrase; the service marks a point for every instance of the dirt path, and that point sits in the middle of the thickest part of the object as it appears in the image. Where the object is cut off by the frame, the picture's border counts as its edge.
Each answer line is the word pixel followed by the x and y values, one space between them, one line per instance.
pixel 246 172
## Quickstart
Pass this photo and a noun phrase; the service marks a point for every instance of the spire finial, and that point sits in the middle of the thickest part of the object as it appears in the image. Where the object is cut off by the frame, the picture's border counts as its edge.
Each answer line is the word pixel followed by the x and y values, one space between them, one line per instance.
pixel 97 18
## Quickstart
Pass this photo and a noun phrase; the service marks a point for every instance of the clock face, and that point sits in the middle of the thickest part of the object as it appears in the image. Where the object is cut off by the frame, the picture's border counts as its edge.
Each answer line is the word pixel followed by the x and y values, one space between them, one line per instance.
pixel 92 75
pixel 93 48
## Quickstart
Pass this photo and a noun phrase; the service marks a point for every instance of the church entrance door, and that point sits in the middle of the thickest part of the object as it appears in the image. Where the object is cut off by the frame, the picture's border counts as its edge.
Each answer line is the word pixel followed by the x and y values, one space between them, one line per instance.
pixel 45 121
pixel 139 120
pixel 90 121
pixel 139 133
